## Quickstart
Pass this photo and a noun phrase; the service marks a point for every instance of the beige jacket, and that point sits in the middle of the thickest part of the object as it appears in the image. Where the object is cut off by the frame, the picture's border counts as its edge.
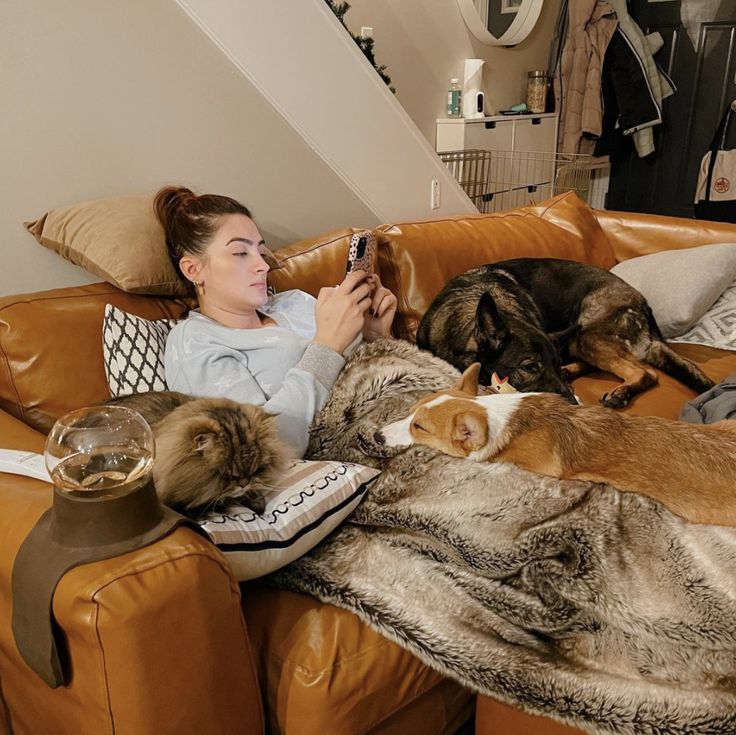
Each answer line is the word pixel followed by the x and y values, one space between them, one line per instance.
pixel 578 81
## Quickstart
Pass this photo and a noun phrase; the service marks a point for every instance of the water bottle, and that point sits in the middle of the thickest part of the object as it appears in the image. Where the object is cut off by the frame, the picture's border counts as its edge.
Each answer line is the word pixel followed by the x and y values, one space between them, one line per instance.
pixel 454 93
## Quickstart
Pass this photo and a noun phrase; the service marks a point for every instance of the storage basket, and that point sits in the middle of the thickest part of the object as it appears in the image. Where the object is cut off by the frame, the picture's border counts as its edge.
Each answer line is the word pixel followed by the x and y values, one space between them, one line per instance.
pixel 498 180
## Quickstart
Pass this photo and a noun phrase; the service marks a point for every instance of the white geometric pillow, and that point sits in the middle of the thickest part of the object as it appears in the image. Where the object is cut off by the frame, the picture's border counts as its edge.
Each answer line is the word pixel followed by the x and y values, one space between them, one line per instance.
pixel 133 351
pixel 304 504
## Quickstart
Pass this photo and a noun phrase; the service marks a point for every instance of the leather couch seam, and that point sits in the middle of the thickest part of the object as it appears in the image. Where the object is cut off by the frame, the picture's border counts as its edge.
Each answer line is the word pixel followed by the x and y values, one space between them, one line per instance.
pixel 285 259
pixel 302 669
pixel 161 562
pixel 96 614
pixel 456 218
pixel 11 382
pixel 63 297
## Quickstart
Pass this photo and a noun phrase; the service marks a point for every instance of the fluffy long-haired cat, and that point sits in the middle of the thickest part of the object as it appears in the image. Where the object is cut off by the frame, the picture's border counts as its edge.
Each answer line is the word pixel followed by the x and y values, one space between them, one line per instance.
pixel 211 453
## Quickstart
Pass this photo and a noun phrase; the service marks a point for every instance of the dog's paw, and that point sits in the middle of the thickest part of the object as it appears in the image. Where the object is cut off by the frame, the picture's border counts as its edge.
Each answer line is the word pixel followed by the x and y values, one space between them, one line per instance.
pixel 617 398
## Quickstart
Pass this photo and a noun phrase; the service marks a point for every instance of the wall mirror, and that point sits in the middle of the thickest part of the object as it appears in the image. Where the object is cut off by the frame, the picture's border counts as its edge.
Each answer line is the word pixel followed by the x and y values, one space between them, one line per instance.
pixel 500 22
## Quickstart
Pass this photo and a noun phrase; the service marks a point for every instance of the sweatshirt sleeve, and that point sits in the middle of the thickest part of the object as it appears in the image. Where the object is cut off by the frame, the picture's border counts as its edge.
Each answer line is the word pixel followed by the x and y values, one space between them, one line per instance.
pixel 217 371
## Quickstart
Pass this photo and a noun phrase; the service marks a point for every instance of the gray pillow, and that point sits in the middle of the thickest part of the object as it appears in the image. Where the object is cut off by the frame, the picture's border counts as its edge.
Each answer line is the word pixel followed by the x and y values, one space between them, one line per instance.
pixel 681 285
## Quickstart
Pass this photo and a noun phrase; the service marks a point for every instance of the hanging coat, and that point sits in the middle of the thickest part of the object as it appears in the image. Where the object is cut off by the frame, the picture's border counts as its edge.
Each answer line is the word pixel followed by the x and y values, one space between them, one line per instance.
pixel 591 24
pixel 639 84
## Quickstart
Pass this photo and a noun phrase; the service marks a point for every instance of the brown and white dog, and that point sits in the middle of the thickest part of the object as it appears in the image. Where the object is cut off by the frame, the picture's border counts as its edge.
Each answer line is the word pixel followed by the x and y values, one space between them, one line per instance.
pixel 689 468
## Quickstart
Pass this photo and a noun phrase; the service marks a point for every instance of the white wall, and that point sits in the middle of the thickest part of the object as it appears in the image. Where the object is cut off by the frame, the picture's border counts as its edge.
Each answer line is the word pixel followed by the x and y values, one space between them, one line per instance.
pixel 309 68
pixel 423 43
pixel 104 98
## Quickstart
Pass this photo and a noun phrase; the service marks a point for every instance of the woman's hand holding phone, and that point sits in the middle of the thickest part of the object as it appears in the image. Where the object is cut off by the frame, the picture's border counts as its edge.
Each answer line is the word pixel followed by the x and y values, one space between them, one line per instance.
pixel 340 312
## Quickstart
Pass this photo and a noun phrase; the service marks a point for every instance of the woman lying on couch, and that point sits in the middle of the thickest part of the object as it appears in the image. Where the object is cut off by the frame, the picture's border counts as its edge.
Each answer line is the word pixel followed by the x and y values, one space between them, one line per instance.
pixel 282 353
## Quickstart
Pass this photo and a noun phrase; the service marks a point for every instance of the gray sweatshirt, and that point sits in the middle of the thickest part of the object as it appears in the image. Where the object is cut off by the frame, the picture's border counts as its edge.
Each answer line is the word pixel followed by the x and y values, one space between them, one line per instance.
pixel 278 368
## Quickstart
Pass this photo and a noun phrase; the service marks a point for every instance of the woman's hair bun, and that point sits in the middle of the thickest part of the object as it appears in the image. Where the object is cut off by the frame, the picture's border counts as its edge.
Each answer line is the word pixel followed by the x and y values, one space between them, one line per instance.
pixel 168 201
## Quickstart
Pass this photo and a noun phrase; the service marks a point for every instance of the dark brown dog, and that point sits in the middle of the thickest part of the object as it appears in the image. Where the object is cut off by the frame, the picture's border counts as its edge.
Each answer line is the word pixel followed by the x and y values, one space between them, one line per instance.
pixel 518 317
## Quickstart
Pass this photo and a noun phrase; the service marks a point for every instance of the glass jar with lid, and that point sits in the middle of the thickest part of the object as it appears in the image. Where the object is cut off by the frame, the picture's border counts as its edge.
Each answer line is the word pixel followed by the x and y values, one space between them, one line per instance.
pixel 536 90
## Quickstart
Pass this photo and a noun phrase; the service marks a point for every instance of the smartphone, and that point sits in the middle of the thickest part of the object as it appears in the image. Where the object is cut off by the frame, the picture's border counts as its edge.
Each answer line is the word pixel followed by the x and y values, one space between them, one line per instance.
pixel 362 252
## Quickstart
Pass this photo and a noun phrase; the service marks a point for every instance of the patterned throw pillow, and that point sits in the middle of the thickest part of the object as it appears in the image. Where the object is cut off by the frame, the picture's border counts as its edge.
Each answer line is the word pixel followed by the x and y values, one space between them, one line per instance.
pixel 717 327
pixel 133 351
pixel 306 503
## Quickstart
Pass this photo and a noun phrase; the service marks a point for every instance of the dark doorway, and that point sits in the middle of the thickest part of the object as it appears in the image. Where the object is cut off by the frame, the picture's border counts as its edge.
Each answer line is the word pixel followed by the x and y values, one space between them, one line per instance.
pixel 664 182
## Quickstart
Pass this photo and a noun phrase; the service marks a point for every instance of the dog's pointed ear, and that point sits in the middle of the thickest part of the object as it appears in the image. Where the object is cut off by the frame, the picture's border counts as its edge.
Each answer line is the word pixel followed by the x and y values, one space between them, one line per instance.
pixel 490 328
pixel 470 431
pixel 468 382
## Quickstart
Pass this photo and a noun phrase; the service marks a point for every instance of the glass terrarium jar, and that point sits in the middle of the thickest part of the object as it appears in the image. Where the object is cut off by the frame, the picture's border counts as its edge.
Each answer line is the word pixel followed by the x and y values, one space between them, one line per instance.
pixel 100 452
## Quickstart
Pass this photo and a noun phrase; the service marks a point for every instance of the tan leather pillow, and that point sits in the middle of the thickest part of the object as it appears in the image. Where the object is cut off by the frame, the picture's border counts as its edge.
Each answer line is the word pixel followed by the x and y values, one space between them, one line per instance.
pixel 571 213
pixel 118 239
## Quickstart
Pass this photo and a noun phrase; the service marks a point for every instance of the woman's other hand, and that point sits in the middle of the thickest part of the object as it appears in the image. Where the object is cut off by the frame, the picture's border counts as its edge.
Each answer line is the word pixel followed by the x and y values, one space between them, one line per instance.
pixel 340 311
pixel 380 315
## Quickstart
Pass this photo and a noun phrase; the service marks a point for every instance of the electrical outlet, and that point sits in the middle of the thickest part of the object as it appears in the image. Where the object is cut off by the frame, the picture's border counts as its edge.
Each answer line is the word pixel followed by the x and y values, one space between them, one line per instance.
pixel 435 194
pixel 366 31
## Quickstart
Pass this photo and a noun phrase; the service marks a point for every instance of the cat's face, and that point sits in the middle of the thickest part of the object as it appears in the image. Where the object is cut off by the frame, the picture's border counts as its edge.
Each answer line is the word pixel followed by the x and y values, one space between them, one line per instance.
pixel 210 451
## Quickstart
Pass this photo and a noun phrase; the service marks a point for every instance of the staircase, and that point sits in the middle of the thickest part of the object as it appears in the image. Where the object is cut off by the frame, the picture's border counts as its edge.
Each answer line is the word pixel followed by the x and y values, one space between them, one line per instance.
pixel 299 57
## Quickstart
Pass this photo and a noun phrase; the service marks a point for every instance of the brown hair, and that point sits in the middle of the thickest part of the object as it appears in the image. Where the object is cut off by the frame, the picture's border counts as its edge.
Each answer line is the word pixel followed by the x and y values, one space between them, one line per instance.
pixel 190 221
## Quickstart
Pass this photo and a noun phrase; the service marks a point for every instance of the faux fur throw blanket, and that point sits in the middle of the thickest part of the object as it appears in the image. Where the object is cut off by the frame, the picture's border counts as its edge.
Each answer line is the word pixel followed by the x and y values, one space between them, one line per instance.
pixel 598 608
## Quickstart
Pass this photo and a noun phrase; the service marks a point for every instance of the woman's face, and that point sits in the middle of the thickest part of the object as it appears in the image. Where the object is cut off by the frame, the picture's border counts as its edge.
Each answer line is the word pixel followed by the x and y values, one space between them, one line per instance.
pixel 233 268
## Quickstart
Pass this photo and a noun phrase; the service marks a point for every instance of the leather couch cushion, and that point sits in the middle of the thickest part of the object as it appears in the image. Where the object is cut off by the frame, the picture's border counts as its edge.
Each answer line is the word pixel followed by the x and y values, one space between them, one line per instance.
pixel 667 398
pixel 308 652
pixel 493 718
pixel 314 262
pixel 632 233
pixel 418 258
pixel 51 348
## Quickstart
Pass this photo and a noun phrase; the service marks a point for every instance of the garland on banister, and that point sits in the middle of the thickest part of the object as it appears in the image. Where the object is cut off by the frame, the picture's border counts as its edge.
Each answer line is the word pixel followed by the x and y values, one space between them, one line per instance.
pixel 364 44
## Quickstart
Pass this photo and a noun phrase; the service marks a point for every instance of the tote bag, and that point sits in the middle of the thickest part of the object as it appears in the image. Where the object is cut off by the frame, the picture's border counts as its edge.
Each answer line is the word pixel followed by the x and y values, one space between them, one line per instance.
pixel 715 195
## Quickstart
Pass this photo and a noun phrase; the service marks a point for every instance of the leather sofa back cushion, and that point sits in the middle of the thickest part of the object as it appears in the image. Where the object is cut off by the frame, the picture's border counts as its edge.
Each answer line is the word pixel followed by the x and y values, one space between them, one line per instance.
pixel 313 263
pixel 51 348
pixel 417 259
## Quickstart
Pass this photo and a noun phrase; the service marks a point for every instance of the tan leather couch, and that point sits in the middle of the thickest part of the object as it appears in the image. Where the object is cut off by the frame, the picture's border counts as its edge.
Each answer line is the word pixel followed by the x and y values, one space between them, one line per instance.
pixel 163 640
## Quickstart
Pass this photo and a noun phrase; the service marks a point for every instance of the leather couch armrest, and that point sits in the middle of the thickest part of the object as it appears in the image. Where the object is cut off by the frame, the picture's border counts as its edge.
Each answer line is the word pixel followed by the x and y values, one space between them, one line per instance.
pixel 632 234
pixel 156 637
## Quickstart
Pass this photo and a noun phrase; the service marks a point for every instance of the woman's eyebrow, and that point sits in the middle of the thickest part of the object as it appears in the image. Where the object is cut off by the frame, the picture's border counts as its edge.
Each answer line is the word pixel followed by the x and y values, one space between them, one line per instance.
pixel 245 240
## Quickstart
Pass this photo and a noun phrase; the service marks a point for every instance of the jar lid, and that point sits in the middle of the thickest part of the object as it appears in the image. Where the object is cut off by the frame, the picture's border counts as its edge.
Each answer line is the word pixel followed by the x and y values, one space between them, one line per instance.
pixel 538 73
pixel 454 80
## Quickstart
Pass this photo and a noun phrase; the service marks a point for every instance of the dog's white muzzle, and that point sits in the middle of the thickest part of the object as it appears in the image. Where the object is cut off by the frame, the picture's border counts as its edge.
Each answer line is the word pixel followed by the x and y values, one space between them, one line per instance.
pixel 397 434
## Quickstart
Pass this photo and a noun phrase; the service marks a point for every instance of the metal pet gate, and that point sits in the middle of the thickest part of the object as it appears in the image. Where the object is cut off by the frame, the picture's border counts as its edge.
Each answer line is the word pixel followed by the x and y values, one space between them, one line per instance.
pixel 498 180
